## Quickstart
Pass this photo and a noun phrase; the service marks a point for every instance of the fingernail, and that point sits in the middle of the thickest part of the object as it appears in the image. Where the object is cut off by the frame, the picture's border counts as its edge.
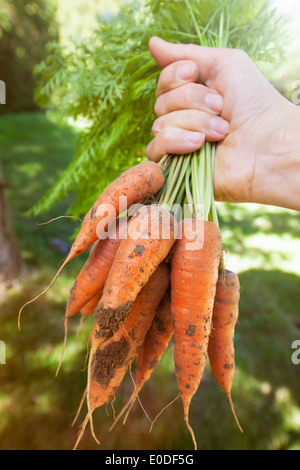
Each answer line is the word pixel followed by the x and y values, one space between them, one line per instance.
pixel 214 101
pixel 195 137
pixel 219 125
pixel 186 71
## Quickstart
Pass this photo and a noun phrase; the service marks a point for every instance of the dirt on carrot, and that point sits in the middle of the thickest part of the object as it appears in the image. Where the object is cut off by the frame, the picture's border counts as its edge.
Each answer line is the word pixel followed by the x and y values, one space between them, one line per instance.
pixel 108 359
pixel 136 259
pixel 108 319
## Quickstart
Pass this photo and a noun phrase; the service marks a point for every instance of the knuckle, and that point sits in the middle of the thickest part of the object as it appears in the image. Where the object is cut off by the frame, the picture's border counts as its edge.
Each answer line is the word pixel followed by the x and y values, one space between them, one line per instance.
pixel 156 126
pixel 158 107
pixel 190 49
pixel 241 54
pixel 187 95
pixel 165 137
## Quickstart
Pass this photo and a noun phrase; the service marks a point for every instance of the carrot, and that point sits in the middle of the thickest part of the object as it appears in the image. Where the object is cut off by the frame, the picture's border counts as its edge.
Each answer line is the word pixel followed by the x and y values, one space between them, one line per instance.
pixel 91 279
pixel 194 274
pixel 89 308
pixel 221 346
pixel 155 344
pixel 110 361
pixel 151 234
pixel 132 186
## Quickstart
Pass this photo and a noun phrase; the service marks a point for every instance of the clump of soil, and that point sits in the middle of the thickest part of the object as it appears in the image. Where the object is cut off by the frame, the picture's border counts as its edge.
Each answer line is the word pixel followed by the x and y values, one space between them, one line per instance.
pixel 109 319
pixel 108 360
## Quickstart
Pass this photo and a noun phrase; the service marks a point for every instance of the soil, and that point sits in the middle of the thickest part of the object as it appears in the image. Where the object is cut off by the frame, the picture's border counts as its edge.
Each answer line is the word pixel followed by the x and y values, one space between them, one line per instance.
pixel 191 330
pixel 107 360
pixel 109 319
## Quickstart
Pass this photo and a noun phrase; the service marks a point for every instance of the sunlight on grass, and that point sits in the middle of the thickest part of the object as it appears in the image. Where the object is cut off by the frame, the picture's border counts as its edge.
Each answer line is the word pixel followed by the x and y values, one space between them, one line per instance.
pixel 267 251
pixel 260 237
pixel 30 168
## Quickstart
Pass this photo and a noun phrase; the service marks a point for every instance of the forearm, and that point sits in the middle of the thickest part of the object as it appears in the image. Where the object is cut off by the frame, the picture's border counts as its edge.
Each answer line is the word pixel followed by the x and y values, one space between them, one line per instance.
pixel 277 173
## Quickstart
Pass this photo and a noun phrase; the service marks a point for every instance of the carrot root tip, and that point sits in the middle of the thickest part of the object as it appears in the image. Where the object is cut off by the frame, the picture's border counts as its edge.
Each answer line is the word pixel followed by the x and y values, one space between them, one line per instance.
pixel 125 407
pixel 186 407
pixel 191 433
pixel 43 292
pixel 234 413
pixel 66 323
pixel 81 431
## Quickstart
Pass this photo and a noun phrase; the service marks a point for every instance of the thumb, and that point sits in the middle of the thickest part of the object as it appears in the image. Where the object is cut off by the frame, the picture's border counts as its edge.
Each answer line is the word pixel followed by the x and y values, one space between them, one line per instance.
pixel 166 53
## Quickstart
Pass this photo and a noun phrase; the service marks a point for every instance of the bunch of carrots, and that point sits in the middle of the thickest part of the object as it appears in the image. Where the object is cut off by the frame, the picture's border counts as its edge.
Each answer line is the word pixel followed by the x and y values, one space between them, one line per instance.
pixel 154 273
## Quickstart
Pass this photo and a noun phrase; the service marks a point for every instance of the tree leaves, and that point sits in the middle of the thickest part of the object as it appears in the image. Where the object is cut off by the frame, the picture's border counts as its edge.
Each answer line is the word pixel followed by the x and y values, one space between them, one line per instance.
pixel 110 80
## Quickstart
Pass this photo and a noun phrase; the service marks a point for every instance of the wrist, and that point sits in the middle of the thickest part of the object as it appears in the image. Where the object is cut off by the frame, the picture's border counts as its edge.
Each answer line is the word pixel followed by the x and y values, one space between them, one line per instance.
pixel 277 172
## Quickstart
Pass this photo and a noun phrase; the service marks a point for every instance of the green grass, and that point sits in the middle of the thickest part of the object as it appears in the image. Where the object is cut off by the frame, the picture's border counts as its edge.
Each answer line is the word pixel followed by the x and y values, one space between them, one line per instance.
pixel 33 152
pixel 37 409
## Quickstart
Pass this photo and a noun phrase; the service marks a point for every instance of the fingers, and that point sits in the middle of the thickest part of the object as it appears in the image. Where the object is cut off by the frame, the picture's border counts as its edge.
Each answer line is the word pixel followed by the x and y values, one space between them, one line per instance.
pixel 166 53
pixel 214 127
pixel 174 140
pixel 189 96
pixel 185 131
pixel 188 111
pixel 176 75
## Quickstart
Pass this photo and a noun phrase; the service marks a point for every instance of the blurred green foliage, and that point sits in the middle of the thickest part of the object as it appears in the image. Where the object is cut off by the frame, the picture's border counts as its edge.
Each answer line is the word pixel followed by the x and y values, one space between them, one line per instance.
pixel 26 26
pixel 286 75
pixel 108 80
pixel 33 150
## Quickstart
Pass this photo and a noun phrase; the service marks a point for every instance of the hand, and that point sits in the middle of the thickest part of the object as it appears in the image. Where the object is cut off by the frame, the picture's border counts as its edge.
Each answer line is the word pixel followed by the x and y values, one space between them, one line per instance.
pixel 220 95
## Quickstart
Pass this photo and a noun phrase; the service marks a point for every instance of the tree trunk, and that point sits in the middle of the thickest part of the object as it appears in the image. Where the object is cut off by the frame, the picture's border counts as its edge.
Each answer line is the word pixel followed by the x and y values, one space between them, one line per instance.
pixel 10 260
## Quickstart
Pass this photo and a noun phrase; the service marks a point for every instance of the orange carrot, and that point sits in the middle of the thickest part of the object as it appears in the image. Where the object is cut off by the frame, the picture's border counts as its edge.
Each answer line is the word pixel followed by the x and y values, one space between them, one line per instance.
pixel 133 185
pixel 91 279
pixel 89 308
pixel 194 274
pixel 221 345
pixel 151 234
pixel 155 344
pixel 110 361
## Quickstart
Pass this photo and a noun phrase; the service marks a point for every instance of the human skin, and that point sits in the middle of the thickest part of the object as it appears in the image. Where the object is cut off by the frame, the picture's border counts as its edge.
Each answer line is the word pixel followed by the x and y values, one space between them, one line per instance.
pixel 219 95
